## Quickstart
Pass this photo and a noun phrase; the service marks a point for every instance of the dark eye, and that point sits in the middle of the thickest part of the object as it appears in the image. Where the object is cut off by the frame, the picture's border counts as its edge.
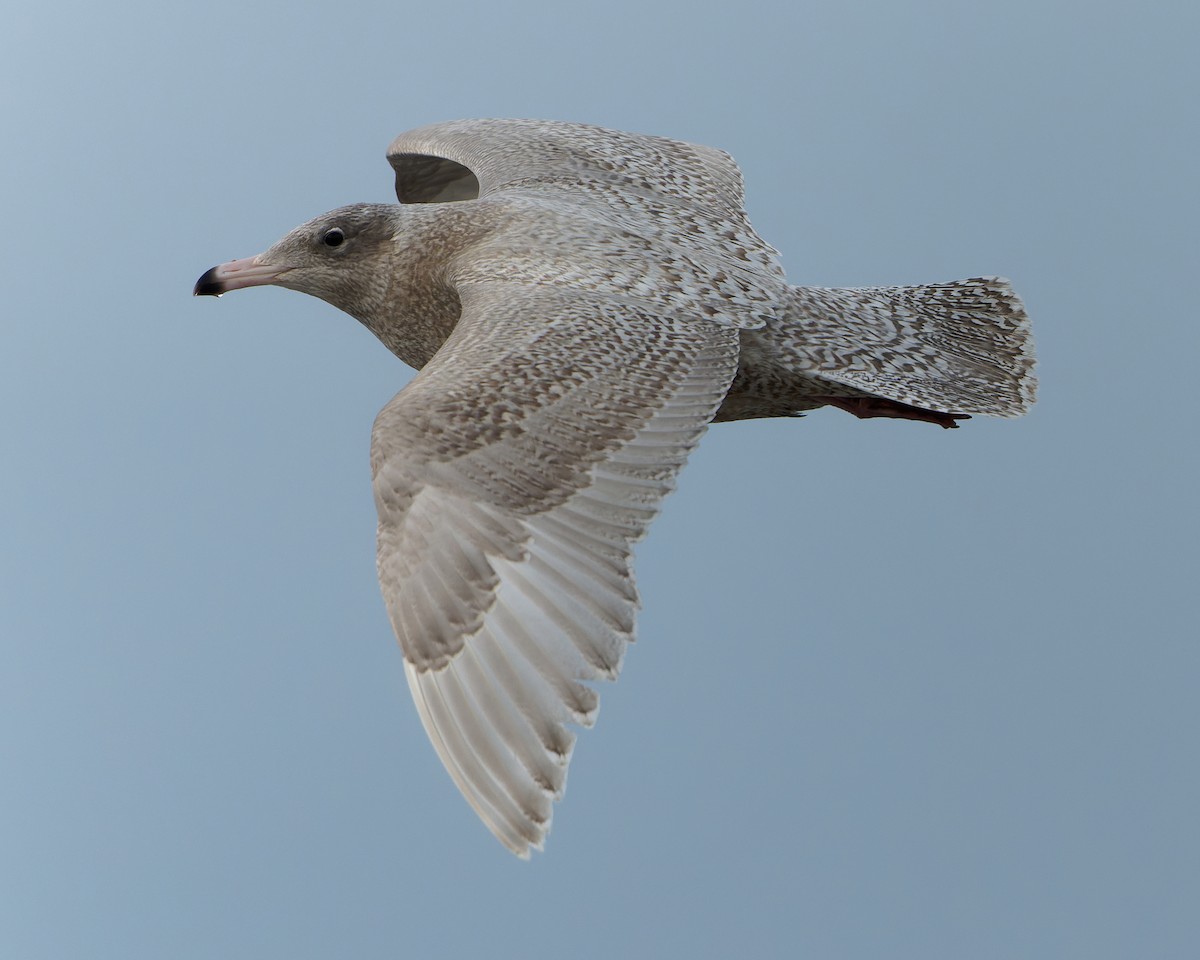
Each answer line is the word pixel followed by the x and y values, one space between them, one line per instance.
pixel 333 237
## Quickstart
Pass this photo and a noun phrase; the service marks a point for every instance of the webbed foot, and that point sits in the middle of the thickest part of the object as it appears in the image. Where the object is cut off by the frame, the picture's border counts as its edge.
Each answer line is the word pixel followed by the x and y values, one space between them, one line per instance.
pixel 867 407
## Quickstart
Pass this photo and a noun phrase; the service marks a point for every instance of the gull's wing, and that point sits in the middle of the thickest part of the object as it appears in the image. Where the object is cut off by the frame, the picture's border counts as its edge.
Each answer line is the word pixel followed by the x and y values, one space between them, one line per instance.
pixel 512 477
pixel 500 154
pixel 686 195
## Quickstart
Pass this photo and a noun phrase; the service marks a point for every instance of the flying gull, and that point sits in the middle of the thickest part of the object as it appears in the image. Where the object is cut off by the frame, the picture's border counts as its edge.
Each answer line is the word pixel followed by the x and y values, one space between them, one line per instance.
pixel 581 303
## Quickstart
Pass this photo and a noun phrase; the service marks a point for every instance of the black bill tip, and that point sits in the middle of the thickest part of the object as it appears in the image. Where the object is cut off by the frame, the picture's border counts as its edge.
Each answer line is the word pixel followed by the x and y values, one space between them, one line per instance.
pixel 208 285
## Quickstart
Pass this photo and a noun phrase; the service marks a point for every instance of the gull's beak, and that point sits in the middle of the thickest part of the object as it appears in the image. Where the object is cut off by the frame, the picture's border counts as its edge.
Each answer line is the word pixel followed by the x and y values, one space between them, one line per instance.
pixel 235 274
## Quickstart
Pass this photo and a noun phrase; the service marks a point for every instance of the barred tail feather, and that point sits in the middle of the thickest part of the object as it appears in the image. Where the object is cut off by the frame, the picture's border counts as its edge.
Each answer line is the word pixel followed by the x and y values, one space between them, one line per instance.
pixel 961 347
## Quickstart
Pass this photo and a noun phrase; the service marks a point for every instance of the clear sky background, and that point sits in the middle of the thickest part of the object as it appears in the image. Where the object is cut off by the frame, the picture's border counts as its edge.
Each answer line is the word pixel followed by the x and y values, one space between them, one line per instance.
pixel 898 692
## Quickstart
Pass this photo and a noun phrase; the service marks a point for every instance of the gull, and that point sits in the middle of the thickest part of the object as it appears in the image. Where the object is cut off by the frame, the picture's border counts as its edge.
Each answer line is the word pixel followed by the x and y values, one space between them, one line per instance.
pixel 580 304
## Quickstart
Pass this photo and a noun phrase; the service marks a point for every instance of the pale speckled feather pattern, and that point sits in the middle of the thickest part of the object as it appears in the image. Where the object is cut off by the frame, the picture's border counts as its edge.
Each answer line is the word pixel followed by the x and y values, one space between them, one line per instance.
pixel 685 197
pixel 504 540
pixel 965 346
pixel 505 153
pixel 581 303
pixel 961 346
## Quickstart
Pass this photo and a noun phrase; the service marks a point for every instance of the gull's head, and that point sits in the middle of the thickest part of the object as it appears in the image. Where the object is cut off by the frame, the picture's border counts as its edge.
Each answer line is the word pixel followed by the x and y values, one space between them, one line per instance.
pixel 338 257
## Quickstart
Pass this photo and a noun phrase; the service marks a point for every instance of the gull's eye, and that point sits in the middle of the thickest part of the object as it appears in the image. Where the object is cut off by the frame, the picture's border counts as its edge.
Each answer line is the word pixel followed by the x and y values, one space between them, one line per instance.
pixel 333 237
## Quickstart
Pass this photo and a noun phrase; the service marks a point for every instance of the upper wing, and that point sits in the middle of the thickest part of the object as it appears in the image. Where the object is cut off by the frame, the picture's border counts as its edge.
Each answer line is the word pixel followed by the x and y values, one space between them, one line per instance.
pixel 686 196
pixel 447 161
pixel 511 478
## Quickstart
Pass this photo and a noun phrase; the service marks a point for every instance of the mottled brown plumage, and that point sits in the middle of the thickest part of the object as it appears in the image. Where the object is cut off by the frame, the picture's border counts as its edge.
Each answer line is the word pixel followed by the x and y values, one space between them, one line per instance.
pixel 581 303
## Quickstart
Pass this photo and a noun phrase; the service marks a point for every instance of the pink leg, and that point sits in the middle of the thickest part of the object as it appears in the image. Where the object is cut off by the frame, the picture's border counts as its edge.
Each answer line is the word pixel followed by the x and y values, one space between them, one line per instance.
pixel 866 407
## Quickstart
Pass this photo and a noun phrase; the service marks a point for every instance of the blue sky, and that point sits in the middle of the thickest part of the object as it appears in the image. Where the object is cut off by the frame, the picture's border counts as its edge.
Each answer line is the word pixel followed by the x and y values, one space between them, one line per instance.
pixel 898 691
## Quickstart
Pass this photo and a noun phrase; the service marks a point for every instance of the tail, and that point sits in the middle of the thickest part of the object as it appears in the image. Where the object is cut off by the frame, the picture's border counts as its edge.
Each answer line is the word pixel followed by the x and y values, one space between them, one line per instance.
pixel 958 347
